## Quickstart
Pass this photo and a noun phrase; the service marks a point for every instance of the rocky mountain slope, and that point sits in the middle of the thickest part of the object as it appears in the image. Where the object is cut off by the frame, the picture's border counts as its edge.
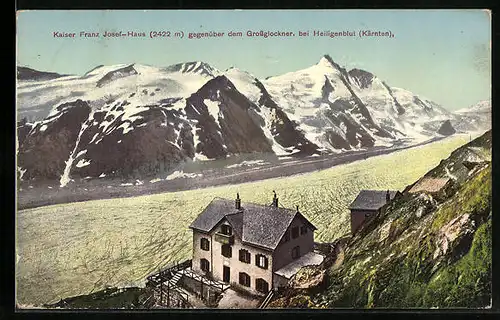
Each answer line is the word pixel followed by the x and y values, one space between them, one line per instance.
pixel 476 117
pixel 136 120
pixel 423 251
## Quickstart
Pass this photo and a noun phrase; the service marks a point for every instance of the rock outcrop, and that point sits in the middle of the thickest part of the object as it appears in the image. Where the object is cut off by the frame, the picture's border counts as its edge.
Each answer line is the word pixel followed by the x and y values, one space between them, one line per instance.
pixel 446 129
pixel 420 252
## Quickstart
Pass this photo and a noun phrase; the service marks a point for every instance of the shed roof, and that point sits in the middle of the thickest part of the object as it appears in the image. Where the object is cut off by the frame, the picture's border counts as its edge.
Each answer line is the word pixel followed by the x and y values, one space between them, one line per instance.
pixel 256 224
pixel 309 259
pixel 371 199
pixel 429 184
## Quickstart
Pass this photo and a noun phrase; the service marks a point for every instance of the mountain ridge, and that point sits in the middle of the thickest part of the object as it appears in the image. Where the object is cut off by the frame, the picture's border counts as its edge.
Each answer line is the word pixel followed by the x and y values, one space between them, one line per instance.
pixel 323 108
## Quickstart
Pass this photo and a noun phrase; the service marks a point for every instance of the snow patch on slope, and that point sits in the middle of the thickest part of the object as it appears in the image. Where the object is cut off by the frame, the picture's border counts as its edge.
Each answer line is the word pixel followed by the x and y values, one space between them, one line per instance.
pixel 82 163
pixel 213 110
pixel 181 174
pixel 65 177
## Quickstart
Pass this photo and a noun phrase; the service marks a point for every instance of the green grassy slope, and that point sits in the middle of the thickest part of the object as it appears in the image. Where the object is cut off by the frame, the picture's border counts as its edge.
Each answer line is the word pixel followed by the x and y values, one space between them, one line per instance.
pixel 420 252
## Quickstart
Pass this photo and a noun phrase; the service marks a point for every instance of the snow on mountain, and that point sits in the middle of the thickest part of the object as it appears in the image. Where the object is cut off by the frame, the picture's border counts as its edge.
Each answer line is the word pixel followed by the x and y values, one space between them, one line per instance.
pixel 321 99
pixel 298 92
pixel 133 120
pixel 284 134
pixel 244 82
pixel 476 118
pixel 481 106
pixel 138 84
pixel 356 107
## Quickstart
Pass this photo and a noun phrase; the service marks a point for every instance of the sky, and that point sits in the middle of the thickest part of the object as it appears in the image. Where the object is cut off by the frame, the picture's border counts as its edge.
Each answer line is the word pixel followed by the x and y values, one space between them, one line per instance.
pixel 442 55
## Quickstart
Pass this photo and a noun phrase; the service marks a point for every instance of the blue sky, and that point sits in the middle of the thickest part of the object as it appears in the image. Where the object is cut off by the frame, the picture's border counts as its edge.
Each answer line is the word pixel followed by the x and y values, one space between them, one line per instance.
pixel 443 55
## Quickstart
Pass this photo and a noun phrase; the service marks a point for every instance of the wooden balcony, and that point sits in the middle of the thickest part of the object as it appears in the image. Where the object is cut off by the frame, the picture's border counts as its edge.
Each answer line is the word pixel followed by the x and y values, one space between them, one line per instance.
pixel 224 238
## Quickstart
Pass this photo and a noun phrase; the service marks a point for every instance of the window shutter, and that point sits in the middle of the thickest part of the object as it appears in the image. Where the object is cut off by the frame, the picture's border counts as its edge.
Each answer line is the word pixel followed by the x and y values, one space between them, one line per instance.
pixel 204 244
pixel 244 255
pixel 261 261
pixel 226 250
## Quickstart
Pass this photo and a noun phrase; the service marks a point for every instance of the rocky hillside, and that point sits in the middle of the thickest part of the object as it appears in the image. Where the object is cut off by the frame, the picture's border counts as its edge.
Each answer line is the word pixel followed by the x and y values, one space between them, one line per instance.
pixel 132 121
pixel 477 116
pixel 24 73
pixel 423 251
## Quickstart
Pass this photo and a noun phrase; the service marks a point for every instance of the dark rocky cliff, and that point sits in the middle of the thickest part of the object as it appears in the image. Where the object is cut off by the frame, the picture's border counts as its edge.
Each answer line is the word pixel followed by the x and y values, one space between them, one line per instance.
pixel 421 252
pixel 446 129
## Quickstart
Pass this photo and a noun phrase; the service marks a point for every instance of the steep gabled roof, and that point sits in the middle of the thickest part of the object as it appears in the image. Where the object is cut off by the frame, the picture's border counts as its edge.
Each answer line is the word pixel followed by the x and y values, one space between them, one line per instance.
pixel 371 199
pixel 256 224
pixel 236 221
pixel 216 210
pixel 265 225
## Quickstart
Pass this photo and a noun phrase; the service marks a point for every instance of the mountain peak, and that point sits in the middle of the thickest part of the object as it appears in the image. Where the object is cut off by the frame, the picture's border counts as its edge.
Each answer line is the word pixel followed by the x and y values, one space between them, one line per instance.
pixel 327 61
pixel 117 74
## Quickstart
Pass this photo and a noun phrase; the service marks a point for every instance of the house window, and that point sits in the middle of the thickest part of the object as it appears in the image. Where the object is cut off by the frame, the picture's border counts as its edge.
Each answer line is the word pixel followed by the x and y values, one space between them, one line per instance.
pixel 295 232
pixel 204 265
pixel 244 279
pixel 286 237
pixel 303 229
pixel 204 244
pixel 261 285
pixel 261 261
pixel 244 256
pixel 226 251
pixel 296 252
pixel 226 229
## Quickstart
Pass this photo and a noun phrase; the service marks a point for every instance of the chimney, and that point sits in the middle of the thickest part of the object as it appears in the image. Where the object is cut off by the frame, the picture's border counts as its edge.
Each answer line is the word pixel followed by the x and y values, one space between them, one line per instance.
pixel 237 201
pixel 387 197
pixel 275 199
pixel 297 208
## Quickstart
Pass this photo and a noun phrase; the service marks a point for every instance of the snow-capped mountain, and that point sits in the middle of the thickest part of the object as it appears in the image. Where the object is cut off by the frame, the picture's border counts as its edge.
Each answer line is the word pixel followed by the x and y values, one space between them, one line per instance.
pixel 355 107
pixel 138 84
pixel 474 118
pixel 480 107
pixel 133 119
